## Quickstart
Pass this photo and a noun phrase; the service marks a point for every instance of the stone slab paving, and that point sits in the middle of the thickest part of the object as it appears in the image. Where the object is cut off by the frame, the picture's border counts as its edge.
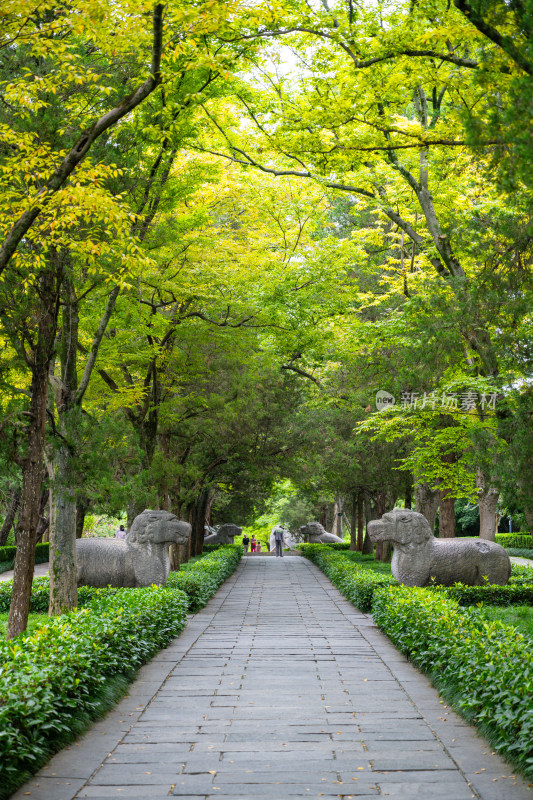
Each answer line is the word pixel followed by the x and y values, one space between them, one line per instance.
pixel 279 688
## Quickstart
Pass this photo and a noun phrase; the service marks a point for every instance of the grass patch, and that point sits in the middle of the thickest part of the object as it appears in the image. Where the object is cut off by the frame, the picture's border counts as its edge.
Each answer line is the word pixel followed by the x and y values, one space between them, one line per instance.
pixel 519 617
pixel 367 562
pixel 35 621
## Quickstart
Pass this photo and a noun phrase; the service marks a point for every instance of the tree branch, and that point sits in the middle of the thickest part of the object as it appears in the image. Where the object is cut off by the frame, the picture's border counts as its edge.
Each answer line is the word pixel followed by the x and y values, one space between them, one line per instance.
pixel 505 43
pixel 95 346
pixel 83 145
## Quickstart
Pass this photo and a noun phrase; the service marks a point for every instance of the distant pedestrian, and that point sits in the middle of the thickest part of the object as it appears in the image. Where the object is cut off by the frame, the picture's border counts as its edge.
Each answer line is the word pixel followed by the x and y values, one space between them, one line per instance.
pixel 120 533
pixel 245 543
pixel 279 533
pixel 253 544
pixel 258 547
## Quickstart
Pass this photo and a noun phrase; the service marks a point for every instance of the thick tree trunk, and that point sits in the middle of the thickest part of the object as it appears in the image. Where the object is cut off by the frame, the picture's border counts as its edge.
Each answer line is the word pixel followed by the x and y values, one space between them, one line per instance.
pixel 488 508
pixel 63 587
pixel 447 518
pixel 427 502
pixel 11 513
pixel 33 469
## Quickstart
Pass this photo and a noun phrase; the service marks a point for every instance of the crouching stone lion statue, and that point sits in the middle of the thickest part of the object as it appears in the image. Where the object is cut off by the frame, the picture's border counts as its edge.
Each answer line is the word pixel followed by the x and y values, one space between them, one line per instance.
pixel 225 534
pixel 420 559
pixel 138 560
pixel 314 533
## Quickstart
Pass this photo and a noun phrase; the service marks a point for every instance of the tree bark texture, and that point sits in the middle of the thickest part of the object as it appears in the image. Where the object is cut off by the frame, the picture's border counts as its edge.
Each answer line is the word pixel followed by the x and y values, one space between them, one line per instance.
pixel 198 514
pixel 488 508
pixel 427 502
pixel 33 468
pixel 63 587
pixel 447 518
pixel 360 521
pixel 11 513
pixel 353 523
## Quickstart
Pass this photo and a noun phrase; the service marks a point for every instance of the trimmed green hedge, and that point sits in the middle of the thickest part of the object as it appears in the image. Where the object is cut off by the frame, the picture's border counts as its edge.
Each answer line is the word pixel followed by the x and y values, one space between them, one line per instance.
pixel 520 552
pixel 198 580
pixel 521 540
pixel 7 555
pixel 201 579
pixel 484 668
pixel 355 582
pixel 49 679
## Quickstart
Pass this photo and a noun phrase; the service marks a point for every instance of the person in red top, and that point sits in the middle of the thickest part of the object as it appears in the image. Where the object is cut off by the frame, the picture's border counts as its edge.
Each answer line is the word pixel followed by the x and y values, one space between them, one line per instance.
pixel 253 544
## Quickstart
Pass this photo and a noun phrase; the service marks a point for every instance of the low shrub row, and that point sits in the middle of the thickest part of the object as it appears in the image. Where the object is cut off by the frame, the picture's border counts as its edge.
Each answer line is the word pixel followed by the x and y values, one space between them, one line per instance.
pixel 484 668
pixel 7 555
pixel 355 582
pixel 522 540
pixel 50 679
pixel 520 552
pixel 200 579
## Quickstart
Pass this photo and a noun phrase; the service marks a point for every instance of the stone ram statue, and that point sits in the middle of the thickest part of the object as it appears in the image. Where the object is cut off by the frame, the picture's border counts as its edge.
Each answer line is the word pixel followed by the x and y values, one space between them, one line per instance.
pixel 225 534
pixel 138 560
pixel 420 559
pixel 314 533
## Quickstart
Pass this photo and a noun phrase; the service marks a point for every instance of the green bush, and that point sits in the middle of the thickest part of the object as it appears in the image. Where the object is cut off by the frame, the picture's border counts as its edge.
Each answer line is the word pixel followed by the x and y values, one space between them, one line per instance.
pixel 7 555
pixel 512 594
pixel 520 552
pixel 49 679
pixel 522 540
pixel 200 579
pixel 355 582
pixel 484 668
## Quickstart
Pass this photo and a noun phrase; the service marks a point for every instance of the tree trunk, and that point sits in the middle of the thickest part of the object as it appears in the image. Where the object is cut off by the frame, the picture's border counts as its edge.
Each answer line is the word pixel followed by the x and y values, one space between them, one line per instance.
pixel 32 472
pixel 82 506
pixel 488 508
pixel 353 523
pixel 174 555
pixel 427 502
pixel 360 521
pixel 63 585
pixel 370 514
pixel 409 495
pixel 447 518
pixel 11 513
pixel 198 512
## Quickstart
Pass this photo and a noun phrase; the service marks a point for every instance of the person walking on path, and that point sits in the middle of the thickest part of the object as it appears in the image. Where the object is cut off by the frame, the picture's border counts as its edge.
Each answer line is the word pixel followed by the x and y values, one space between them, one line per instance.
pixel 245 543
pixel 279 533
pixel 253 544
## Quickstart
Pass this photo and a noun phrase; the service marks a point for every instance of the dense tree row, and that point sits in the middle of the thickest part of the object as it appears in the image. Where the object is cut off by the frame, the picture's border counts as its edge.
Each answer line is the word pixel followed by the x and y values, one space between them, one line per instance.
pixel 225 226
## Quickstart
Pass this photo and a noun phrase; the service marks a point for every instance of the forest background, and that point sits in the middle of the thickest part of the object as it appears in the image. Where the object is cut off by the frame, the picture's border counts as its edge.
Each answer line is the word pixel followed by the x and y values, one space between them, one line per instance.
pixel 233 232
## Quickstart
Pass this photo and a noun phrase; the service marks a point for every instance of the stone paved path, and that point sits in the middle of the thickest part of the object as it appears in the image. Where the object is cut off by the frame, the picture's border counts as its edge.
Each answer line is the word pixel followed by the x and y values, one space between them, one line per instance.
pixel 279 689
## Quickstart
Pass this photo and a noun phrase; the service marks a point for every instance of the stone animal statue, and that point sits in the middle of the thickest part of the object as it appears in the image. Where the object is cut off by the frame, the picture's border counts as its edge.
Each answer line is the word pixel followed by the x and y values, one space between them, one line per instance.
pixel 138 560
pixel 225 534
pixel 420 559
pixel 315 533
